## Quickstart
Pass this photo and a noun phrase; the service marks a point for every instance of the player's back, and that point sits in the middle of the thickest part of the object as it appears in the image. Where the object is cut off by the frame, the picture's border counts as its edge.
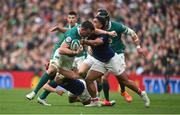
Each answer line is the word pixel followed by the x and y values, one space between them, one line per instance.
pixel 116 43
pixel 103 52
pixel 75 86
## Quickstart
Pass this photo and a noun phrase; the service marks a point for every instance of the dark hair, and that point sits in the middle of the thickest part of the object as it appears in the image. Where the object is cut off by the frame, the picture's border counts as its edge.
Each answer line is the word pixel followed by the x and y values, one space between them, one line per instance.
pixel 88 25
pixel 72 13
pixel 102 21
pixel 104 14
pixel 104 17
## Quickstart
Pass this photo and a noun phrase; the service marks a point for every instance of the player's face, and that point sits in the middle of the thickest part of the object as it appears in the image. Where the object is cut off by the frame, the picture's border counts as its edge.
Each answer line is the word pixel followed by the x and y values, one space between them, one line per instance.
pixel 85 32
pixel 96 23
pixel 72 20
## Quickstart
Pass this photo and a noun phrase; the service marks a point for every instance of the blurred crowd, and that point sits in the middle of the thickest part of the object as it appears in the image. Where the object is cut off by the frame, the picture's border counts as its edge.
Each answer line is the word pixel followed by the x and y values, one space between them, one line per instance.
pixel 26 44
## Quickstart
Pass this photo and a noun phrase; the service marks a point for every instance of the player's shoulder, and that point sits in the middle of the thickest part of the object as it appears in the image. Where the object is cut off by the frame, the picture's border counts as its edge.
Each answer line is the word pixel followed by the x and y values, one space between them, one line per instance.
pixel 115 23
pixel 72 32
pixel 119 26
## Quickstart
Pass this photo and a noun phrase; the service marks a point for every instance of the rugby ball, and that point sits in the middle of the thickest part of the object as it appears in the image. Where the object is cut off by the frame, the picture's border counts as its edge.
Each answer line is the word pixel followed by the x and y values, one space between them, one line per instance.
pixel 75 44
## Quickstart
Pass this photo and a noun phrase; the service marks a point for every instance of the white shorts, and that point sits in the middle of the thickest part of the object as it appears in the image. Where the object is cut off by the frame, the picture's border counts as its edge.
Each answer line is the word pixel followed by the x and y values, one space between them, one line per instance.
pixel 89 60
pixel 78 61
pixel 61 61
pixel 116 65
pixel 85 96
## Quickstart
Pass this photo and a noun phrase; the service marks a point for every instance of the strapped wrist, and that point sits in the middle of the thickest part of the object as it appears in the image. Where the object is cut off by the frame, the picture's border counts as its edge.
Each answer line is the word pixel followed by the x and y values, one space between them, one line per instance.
pixel 138 46
pixel 107 32
pixel 56 90
pixel 136 40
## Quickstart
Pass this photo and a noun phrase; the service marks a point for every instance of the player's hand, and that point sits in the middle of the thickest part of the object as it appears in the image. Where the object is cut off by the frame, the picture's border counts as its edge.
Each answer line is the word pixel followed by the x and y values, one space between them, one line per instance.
pixel 79 50
pixel 89 50
pixel 54 28
pixel 112 33
pixel 60 92
pixel 82 41
pixel 142 51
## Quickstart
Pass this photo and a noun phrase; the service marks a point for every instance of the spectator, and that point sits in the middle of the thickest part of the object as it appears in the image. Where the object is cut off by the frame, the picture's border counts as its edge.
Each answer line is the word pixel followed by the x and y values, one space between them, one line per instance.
pixel 26 45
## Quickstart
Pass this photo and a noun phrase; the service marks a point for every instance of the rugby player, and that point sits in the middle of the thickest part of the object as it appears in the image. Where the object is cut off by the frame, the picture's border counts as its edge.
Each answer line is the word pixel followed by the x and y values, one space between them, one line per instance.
pixel 63 57
pixel 77 91
pixel 107 59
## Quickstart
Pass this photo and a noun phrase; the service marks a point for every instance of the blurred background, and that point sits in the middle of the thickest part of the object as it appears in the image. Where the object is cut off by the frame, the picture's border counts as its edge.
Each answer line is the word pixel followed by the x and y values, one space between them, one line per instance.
pixel 26 44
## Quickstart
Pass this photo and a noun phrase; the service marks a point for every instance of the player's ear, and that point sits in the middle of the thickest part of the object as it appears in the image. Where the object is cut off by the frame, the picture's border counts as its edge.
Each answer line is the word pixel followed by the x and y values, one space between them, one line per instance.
pixel 93 32
pixel 76 18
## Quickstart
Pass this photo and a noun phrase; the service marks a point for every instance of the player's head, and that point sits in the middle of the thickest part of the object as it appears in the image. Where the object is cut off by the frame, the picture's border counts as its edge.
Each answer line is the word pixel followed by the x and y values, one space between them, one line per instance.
pixel 103 14
pixel 72 18
pixel 87 28
pixel 99 23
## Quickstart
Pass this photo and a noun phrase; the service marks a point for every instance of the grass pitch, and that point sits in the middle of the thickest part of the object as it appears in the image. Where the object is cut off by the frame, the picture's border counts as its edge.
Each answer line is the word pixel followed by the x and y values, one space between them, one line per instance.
pixel 14 102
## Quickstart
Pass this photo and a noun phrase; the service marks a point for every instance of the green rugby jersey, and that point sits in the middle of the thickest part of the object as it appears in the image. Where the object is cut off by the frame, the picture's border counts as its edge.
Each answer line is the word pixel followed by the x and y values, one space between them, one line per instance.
pixel 117 43
pixel 60 34
pixel 67 37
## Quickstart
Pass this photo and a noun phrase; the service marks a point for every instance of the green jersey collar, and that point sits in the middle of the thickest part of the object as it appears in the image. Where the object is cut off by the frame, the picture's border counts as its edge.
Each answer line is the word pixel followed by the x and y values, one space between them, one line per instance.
pixel 109 26
pixel 78 29
pixel 69 26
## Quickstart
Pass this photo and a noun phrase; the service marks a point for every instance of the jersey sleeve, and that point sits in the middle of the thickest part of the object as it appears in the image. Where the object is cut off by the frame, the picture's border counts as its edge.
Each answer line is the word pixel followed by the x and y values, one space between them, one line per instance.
pixel 121 28
pixel 105 38
pixel 68 40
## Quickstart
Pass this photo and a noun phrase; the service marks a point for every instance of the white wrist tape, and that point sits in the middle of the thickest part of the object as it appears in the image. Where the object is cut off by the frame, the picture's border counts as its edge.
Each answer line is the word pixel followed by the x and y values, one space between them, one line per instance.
pixel 138 46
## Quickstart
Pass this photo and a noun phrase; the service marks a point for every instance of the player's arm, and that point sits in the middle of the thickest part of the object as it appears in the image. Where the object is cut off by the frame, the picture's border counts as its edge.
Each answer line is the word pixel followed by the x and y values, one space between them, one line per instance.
pixel 133 35
pixel 97 41
pixel 135 39
pixel 58 28
pixel 89 50
pixel 51 89
pixel 65 48
pixel 99 31
pixel 122 29
pixel 68 73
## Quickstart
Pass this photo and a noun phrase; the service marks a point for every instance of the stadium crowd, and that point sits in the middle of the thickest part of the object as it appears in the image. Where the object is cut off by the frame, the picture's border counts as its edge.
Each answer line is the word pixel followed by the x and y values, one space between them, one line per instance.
pixel 26 43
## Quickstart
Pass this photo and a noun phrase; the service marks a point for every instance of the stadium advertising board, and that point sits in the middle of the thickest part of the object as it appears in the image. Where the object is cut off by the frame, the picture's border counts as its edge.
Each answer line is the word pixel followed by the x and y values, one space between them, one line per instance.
pixel 159 84
pixel 152 84
pixel 16 79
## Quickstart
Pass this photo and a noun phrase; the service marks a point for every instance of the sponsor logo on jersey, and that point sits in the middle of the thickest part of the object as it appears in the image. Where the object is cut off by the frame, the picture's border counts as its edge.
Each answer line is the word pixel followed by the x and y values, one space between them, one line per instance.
pixel 68 39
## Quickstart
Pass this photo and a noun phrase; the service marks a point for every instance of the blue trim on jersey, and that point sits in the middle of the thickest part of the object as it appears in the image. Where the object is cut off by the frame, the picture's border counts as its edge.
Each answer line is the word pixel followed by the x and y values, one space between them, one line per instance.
pixel 76 87
pixel 103 52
